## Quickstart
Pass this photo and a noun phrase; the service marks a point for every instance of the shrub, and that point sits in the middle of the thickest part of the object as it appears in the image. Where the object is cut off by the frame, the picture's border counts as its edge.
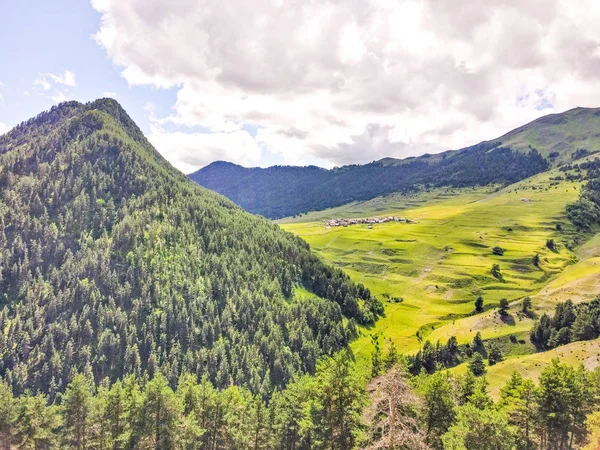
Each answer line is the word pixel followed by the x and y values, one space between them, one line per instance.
pixel 498 251
pixel 479 304
pixel 503 307
pixel 477 365
pixel 496 272
pixel 494 355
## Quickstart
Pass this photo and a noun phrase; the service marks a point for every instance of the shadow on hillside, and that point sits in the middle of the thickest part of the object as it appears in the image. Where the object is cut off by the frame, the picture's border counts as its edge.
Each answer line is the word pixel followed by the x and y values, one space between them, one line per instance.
pixel 508 320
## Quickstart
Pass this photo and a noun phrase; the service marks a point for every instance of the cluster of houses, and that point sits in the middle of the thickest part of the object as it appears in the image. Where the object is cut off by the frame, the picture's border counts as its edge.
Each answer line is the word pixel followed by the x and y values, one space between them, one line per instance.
pixel 369 221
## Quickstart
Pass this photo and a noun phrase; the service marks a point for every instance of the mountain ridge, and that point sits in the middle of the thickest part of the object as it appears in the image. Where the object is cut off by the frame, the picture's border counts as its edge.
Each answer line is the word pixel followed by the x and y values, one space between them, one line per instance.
pixel 546 142
pixel 113 263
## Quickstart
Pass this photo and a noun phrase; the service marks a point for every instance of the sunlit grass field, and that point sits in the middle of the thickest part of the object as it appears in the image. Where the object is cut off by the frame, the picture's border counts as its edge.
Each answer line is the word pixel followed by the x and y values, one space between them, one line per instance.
pixel 441 263
pixel 531 366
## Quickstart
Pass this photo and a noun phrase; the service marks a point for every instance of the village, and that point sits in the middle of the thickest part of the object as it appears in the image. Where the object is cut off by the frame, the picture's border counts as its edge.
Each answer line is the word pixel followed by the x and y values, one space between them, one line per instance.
pixel 369 221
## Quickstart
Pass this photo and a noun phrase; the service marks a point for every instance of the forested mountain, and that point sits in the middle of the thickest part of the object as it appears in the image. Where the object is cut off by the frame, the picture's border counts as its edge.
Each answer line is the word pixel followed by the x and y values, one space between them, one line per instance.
pixel 114 263
pixel 530 149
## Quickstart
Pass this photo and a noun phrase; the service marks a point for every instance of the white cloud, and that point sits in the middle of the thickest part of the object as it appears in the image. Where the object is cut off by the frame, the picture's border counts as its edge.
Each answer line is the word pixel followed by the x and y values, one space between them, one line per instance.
pixel 68 78
pixel 59 97
pixel 41 82
pixel 47 80
pixel 4 128
pixel 188 151
pixel 109 94
pixel 357 80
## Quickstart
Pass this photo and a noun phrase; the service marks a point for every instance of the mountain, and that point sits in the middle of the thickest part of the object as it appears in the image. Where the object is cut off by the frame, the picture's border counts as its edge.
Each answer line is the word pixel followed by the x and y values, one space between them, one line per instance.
pixel 112 263
pixel 273 192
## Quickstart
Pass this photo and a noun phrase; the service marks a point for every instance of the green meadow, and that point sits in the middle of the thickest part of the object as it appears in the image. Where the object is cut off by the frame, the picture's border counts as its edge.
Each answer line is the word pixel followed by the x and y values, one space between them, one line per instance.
pixel 531 365
pixel 430 272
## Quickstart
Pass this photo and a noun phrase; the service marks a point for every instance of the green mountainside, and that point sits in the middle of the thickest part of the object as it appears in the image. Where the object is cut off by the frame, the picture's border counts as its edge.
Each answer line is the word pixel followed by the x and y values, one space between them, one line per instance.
pixel 560 137
pixel 113 263
pixel 488 268
pixel 533 148
pixel 139 310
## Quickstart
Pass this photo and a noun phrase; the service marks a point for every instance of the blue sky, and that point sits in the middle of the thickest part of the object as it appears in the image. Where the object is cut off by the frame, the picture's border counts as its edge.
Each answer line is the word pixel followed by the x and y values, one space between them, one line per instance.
pixel 41 37
pixel 280 81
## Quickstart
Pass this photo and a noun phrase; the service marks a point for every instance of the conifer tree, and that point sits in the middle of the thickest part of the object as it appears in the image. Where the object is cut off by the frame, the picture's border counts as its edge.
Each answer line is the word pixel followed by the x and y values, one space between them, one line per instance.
pixel 76 408
pixel 8 416
pixel 160 415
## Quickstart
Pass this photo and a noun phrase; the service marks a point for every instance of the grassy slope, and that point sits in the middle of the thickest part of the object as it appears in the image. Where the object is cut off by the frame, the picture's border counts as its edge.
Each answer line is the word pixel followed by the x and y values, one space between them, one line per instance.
pixel 577 128
pixel 531 366
pixel 565 133
pixel 440 264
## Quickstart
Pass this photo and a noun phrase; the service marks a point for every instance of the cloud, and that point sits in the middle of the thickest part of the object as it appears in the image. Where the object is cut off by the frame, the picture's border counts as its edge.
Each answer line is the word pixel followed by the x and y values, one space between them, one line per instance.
pixel 4 128
pixel 68 78
pixel 354 81
pixel 109 94
pixel 41 82
pixel 188 151
pixel 47 80
pixel 59 97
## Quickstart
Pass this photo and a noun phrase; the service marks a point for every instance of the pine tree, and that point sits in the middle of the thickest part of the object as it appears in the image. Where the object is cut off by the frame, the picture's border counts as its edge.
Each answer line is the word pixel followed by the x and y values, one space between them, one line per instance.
pixel 479 304
pixel 478 345
pixel 481 429
pixel 376 359
pixel 392 357
pixel 8 416
pixel 477 365
pixel 161 414
pixel 504 307
pixel 440 407
pixel 494 354
pixel 76 410
pixel 38 423
pixel 338 404
pixel 518 399
pixel 293 426
pixel 564 402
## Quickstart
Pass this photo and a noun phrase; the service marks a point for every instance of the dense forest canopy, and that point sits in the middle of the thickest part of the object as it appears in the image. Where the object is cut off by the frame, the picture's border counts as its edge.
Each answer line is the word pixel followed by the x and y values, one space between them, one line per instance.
pixel 114 263
pixel 273 192
pixel 331 410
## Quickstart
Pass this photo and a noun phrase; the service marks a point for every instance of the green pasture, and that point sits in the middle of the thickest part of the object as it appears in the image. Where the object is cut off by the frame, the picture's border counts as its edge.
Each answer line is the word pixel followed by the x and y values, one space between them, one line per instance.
pixel 531 366
pixel 438 265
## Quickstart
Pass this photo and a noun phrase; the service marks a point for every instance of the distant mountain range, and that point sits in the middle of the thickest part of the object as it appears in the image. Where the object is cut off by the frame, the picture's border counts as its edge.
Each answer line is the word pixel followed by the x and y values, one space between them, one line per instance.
pixel 281 191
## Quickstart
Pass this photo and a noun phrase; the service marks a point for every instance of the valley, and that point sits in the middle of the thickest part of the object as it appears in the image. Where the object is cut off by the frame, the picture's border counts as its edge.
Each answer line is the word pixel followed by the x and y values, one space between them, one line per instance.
pixel 284 225
pixel 429 273
pixel 140 310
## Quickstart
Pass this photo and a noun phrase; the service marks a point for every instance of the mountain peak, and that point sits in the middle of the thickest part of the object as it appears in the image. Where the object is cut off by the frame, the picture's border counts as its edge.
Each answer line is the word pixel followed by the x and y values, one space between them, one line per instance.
pixel 123 244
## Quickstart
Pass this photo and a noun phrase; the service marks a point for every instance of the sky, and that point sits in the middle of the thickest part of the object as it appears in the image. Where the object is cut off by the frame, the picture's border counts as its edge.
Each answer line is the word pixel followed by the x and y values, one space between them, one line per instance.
pixel 324 82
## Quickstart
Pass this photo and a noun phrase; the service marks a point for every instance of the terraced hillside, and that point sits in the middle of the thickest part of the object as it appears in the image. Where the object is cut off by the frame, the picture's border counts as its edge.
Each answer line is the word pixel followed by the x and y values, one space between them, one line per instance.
pixel 431 271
